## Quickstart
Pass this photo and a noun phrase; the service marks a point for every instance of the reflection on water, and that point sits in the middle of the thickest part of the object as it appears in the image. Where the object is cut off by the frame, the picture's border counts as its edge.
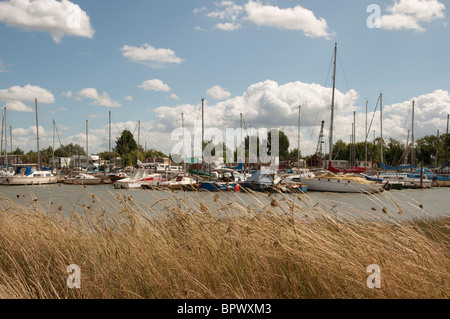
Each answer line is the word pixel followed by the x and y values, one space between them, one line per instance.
pixel 433 202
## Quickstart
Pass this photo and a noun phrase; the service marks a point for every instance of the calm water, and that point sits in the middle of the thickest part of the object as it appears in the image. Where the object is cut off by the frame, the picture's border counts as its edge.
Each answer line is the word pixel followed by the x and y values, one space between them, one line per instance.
pixel 433 202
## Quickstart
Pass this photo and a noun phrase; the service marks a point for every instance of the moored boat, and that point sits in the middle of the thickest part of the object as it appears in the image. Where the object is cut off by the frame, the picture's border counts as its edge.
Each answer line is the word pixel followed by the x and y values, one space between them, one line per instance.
pixel 83 179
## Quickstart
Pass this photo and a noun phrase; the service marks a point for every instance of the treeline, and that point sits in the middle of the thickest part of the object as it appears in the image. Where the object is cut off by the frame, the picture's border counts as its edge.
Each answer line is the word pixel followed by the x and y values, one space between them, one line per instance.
pixel 430 150
pixel 126 148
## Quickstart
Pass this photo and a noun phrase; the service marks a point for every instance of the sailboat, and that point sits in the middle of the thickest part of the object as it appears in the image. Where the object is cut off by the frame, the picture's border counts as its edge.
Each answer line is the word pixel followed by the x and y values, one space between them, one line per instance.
pixel 26 174
pixel 330 182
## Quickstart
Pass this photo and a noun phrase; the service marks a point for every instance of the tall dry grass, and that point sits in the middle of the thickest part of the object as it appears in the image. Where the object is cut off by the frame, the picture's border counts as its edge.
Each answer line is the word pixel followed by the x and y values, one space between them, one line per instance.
pixel 183 249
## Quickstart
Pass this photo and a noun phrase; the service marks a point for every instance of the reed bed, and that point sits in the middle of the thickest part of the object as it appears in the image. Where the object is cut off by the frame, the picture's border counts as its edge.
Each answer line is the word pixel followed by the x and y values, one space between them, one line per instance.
pixel 279 247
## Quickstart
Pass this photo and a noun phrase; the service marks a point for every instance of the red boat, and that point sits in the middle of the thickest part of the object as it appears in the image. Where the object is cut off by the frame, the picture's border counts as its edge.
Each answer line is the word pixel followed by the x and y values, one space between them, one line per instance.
pixel 355 170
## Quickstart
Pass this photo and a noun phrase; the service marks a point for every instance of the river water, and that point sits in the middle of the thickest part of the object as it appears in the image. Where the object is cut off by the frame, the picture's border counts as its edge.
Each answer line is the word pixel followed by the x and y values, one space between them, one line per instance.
pixel 412 203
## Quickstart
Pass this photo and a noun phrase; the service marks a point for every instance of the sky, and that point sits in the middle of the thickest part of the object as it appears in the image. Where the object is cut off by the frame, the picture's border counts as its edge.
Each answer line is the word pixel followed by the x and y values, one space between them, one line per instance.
pixel 150 61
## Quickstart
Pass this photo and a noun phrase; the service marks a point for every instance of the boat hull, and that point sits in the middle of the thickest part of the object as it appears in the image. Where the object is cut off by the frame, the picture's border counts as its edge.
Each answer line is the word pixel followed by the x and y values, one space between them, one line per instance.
pixel 217 186
pixel 79 181
pixel 16 180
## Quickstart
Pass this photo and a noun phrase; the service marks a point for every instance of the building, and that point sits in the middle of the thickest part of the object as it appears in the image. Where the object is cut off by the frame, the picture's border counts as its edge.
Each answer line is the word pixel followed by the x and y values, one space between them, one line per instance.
pixel 79 162
pixel 60 162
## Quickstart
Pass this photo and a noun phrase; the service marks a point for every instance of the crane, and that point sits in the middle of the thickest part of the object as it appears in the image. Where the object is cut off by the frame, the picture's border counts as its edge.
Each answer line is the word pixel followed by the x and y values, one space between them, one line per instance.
pixel 316 159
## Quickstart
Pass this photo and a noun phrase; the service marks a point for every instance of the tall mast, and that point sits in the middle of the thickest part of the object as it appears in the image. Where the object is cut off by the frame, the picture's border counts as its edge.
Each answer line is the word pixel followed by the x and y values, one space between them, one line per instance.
pixel 298 138
pixel 413 152
pixel 446 140
pixel 354 138
pixel 87 147
pixel 109 149
pixel 203 127
pixel 332 104
pixel 184 143
pixel 6 141
pixel 365 134
pixel 53 147
pixel 381 127
pixel 437 148
pixel 37 134
pixel 139 137
pixel 1 148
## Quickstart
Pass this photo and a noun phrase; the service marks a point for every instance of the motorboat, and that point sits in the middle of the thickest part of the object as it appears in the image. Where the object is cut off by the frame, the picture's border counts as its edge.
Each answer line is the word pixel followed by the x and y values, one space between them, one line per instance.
pixel 139 177
pixel 82 179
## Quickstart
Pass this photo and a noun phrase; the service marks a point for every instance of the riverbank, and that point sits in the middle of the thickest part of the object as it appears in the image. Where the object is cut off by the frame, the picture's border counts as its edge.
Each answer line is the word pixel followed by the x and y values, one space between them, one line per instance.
pixel 188 249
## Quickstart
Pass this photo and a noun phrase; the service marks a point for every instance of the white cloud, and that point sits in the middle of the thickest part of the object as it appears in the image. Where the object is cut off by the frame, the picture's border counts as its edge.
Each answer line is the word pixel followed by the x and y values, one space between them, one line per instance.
pixel 155 85
pixel 218 93
pixel 18 106
pixel 297 18
pixel 29 132
pixel 430 114
pixel 228 26
pixel 67 94
pixel 409 14
pixel 99 99
pixel 230 11
pixel 147 53
pixel 174 96
pixel 63 109
pixel 129 98
pixel 60 18
pixel 16 95
pixel 2 67
pixel 27 93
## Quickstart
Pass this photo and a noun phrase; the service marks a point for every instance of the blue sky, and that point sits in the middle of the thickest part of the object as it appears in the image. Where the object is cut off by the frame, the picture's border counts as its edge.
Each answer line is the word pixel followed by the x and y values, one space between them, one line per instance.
pixel 152 60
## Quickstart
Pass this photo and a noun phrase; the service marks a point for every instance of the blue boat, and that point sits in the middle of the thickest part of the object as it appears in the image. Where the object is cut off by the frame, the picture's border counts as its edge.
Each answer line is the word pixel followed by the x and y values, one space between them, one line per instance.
pixel 225 180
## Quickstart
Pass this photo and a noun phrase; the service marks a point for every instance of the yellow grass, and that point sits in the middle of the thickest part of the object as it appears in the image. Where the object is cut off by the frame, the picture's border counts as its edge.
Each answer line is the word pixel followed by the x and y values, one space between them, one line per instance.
pixel 185 249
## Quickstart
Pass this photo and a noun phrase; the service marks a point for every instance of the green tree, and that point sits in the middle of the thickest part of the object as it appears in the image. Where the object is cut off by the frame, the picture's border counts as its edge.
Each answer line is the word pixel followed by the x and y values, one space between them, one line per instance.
pixel 294 155
pixel 283 145
pixel 394 152
pixel 427 147
pixel 69 150
pixel 125 143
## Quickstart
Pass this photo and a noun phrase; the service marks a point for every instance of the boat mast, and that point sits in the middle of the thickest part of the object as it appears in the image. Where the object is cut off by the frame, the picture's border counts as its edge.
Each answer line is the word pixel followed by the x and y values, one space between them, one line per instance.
pixel 109 147
pixel 37 134
pixel 1 151
pixel 298 139
pixel 332 104
pixel 413 152
pixel 184 143
pixel 53 146
pixel 354 139
pixel 446 140
pixel 365 134
pixel 6 141
pixel 437 148
pixel 139 137
pixel 87 147
pixel 381 127
pixel 203 131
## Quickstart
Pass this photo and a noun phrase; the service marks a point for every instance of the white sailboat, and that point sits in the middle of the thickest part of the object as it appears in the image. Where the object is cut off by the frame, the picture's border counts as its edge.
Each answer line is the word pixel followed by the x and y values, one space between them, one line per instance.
pixel 27 175
pixel 329 182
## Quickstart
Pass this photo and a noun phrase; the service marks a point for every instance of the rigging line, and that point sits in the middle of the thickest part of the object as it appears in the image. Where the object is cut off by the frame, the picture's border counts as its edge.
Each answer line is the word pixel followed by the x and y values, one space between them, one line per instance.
pixel 312 129
pixel 371 122
pixel 342 67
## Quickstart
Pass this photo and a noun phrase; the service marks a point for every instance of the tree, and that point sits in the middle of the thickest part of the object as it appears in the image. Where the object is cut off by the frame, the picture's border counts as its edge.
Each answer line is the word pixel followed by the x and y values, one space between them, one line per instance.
pixel 426 148
pixel 341 151
pixel 294 155
pixel 70 150
pixel 283 145
pixel 125 144
pixel 394 152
